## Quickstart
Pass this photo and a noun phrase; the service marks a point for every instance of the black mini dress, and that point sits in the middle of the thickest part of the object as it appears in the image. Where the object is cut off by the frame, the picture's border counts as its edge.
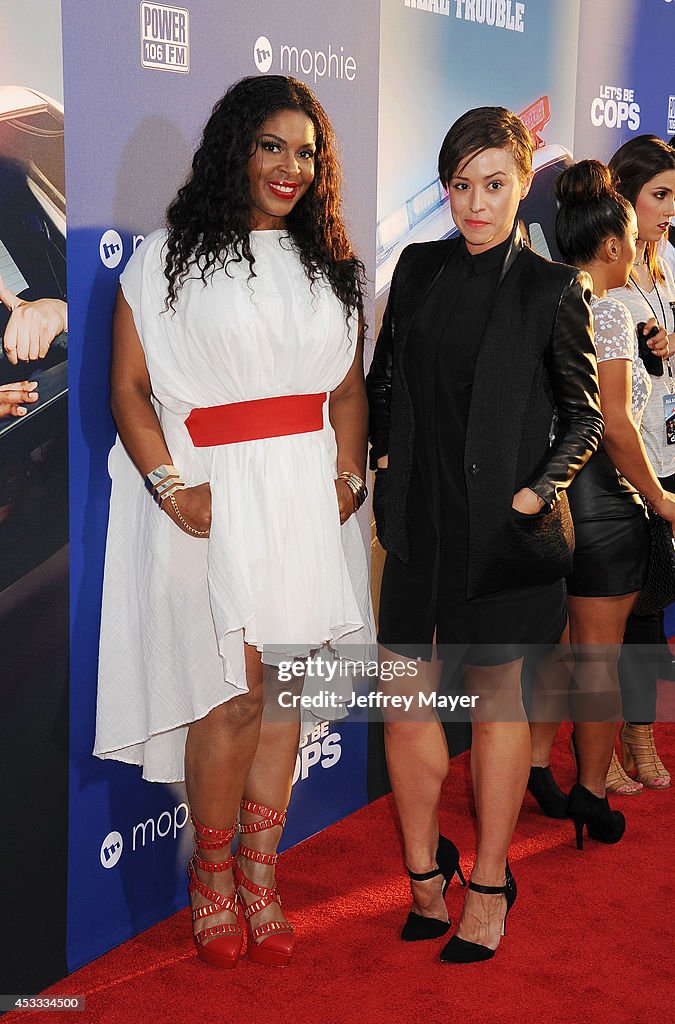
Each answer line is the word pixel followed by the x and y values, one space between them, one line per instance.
pixel 426 596
pixel 611 529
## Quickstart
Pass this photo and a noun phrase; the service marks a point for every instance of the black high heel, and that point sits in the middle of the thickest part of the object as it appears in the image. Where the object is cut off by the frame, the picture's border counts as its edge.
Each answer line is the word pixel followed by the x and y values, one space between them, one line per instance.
pixel 459 951
pixel 417 927
pixel 602 823
pixel 547 792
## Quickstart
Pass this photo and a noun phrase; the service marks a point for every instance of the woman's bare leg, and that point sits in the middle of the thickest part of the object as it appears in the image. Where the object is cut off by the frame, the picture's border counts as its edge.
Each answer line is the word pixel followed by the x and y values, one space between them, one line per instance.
pixel 550 700
pixel 269 783
pixel 597 625
pixel 542 735
pixel 500 764
pixel 219 753
pixel 417 761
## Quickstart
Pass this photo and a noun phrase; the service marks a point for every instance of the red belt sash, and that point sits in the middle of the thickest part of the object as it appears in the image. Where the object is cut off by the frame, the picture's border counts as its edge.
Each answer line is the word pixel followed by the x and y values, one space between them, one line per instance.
pixel 251 421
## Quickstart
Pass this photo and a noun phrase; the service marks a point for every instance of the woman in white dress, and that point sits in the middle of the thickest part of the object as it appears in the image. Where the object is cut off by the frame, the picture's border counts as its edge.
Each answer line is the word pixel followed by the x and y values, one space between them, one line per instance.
pixel 238 394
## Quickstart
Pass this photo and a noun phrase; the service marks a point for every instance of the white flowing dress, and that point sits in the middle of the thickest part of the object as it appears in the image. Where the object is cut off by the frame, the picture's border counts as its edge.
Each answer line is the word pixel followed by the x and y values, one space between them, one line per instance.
pixel 278 571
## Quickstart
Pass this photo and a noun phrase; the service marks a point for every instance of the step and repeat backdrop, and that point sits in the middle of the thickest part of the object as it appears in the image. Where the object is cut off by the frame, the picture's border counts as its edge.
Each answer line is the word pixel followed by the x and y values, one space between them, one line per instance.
pixel 138 81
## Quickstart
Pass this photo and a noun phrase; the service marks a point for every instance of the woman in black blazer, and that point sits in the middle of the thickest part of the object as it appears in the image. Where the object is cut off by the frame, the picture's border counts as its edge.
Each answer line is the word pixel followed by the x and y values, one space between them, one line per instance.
pixel 482 342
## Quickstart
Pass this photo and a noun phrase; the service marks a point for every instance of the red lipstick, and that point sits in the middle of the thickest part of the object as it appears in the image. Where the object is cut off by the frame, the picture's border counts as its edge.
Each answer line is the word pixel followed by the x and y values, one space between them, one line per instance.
pixel 283 189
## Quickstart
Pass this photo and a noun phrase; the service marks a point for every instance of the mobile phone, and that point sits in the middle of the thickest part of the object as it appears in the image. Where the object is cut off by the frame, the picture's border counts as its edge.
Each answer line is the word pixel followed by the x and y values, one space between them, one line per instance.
pixel 653 363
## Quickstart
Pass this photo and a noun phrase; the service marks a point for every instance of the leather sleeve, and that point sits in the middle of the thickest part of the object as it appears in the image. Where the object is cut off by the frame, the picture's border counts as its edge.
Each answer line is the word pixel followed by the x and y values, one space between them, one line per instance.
pixel 573 373
pixel 378 382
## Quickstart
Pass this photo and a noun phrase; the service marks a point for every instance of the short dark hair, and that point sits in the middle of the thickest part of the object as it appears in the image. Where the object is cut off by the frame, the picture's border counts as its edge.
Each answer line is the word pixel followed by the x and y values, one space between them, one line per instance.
pixel 591 210
pixel 480 129
pixel 633 165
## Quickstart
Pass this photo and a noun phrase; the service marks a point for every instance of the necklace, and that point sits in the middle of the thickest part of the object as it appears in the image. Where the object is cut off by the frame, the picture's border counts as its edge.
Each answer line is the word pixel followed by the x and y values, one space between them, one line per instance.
pixel 671 383
pixel 645 296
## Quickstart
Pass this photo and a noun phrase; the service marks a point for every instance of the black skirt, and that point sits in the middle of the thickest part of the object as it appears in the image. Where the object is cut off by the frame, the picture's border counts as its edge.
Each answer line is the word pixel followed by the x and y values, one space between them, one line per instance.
pixel 611 532
pixel 426 598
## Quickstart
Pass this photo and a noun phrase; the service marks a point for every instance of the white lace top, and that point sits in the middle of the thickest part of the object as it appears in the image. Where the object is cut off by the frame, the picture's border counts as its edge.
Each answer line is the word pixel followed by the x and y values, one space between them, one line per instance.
pixel 641 308
pixel 615 338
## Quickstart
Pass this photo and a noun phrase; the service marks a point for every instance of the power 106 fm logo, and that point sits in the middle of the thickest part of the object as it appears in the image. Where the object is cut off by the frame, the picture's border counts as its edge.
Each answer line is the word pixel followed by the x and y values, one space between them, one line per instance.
pixel 165 38
pixel 320 747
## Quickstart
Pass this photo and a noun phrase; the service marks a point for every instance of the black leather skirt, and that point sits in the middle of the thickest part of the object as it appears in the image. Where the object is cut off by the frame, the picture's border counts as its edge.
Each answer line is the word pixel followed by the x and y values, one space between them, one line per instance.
pixel 611 532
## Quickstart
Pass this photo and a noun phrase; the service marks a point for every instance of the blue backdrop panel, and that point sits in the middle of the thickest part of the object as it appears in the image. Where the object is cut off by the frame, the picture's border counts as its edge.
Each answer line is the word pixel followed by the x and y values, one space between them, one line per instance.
pixel 626 81
pixel 140 81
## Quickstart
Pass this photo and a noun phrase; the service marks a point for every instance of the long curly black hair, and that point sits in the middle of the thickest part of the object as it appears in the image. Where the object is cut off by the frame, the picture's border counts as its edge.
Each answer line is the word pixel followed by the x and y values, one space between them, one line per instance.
pixel 209 220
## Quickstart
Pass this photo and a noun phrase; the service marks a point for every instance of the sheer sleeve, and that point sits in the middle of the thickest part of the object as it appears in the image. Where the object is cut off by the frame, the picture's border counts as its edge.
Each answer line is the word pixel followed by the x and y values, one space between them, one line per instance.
pixel 613 330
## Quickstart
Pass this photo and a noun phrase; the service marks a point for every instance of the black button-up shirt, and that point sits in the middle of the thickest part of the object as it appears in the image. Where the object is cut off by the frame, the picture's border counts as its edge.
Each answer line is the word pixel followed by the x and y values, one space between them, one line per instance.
pixel 441 354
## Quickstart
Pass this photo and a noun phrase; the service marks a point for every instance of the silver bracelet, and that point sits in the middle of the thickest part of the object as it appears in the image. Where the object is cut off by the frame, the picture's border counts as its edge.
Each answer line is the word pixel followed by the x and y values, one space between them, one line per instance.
pixel 163 481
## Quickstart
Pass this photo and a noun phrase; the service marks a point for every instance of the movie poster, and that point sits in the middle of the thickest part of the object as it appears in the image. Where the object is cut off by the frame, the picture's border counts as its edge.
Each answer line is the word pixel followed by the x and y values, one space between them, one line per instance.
pixel 34 567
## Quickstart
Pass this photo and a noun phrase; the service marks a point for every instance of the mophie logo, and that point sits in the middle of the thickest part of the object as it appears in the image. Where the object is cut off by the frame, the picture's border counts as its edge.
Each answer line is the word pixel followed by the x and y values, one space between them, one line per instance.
pixel 165 38
pixel 262 54
pixel 145 833
pixel 111 248
pixel 111 849
pixel 290 59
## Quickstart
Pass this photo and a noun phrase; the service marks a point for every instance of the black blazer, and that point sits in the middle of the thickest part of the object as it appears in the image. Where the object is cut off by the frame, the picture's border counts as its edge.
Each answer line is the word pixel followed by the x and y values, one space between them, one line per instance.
pixel 537 357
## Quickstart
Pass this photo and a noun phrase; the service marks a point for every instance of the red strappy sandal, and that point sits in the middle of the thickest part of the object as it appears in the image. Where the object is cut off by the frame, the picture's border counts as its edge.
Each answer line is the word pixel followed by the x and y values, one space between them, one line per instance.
pixel 270 943
pixel 221 944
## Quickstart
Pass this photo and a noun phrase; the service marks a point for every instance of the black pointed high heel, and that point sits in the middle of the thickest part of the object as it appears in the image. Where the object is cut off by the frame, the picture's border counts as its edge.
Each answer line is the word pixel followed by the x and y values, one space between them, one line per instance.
pixel 459 951
pixel 602 824
pixel 547 792
pixel 417 927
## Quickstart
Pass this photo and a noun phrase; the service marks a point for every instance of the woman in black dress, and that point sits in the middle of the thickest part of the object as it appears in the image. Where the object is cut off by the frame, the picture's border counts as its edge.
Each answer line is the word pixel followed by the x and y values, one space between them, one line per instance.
pixel 597 231
pixel 481 341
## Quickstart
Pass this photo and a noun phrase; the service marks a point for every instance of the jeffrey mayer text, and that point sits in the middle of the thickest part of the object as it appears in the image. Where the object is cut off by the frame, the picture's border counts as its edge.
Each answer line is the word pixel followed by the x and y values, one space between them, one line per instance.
pixel 327 699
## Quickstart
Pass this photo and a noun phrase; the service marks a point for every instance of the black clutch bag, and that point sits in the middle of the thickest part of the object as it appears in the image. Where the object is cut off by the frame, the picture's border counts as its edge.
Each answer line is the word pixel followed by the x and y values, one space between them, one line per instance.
pixel 659 590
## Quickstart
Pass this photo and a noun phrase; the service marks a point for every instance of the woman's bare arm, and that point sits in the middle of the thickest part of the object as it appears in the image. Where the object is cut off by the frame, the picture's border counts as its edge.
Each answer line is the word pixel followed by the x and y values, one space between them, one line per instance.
pixel 136 419
pixel 348 411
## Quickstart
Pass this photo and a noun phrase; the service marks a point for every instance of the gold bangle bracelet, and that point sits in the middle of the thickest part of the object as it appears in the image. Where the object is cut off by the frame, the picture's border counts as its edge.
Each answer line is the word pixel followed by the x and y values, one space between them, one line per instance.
pixel 356 486
pixel 184 522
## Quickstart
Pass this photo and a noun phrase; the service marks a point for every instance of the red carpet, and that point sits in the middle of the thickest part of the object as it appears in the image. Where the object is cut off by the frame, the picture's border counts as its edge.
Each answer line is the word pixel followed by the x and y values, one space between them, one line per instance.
pixel 590 938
